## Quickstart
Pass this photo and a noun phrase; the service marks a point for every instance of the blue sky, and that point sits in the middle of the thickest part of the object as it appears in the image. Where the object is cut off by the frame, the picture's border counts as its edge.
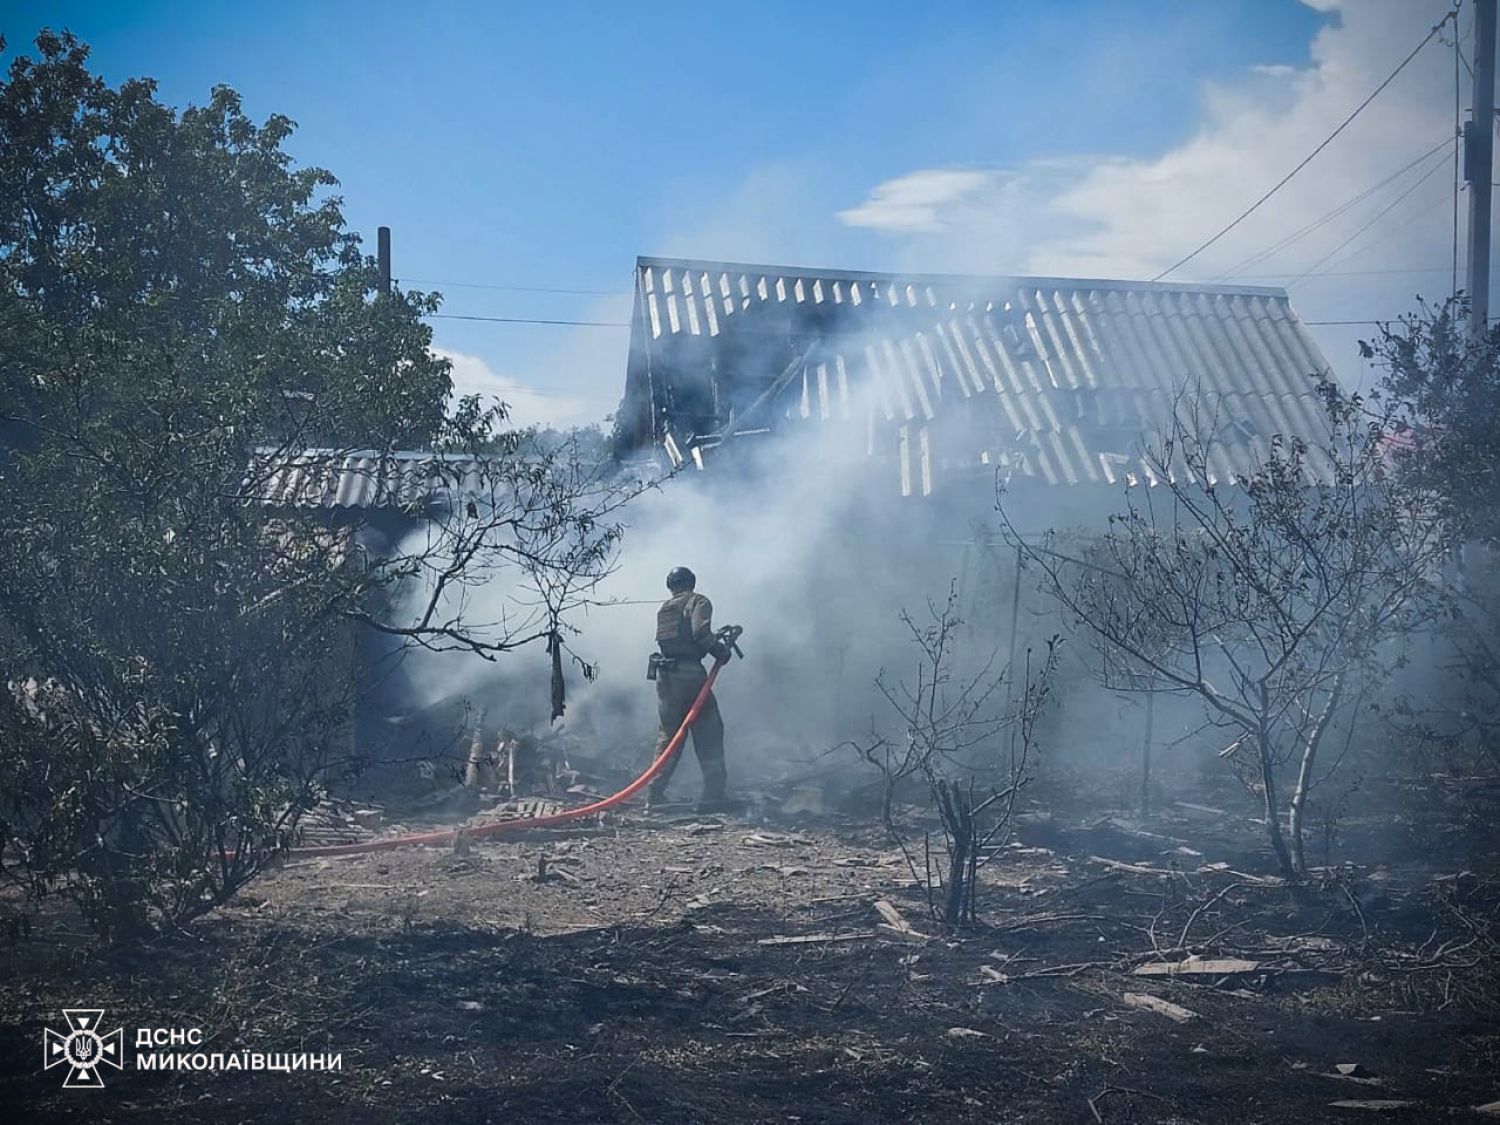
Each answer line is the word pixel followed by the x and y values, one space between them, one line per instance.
pixel 547 145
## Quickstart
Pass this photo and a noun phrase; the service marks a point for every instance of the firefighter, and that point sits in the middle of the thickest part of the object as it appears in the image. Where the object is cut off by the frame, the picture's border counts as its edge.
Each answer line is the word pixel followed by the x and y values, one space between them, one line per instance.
pixel 684 636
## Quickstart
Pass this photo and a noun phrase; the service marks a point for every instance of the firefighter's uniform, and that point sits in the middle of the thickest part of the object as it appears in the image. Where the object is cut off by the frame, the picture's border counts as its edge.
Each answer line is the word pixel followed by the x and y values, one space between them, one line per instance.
pixel 684 636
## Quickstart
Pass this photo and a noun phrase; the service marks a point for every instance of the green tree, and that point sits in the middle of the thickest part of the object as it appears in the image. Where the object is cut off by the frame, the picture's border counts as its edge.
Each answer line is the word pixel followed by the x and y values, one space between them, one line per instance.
pixel 1441 386
pixel 183 316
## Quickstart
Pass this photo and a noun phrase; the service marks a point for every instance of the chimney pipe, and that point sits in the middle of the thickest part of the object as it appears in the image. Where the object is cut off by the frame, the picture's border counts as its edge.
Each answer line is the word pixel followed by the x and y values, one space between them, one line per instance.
pixel 383 257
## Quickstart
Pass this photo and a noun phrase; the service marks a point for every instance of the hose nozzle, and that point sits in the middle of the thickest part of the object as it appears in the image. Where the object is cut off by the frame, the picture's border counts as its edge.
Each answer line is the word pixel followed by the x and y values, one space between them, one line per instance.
pixel 727 640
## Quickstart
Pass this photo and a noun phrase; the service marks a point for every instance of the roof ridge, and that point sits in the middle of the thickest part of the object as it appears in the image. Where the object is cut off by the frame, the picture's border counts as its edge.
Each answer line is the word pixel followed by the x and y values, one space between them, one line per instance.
pixel 1024 280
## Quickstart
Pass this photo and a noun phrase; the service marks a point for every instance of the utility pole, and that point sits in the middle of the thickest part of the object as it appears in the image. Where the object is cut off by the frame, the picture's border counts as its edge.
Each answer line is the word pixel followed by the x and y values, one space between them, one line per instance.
pixel 383 235
pixel 1479 162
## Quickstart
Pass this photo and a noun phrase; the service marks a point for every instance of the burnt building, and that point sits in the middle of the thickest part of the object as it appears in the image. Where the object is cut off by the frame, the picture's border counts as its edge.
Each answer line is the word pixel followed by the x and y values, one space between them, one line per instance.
pixel 1052 382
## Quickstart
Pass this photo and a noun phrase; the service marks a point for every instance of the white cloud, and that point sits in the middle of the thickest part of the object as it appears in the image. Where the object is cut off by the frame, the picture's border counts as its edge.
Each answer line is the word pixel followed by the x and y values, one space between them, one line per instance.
pixel 528 405
pixel 1129 216
pixel 916 201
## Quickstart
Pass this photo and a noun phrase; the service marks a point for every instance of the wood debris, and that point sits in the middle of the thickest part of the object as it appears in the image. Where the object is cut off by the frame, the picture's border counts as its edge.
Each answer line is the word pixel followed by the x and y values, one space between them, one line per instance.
pixel 811 939
pixel 1192 967
pixel 767 840
pixel 1204 812
pixel 867 861
pixel 908 935
pixel 1132 868
pixel 895 925
pixel 1174 1012
pixel 1376 1105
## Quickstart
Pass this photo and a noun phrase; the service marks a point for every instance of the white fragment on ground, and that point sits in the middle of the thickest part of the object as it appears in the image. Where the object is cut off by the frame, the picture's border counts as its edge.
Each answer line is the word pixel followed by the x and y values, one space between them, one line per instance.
pixel 1175 1012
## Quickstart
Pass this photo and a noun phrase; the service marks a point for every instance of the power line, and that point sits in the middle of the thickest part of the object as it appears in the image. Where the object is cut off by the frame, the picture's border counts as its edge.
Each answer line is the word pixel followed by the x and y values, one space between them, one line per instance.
pixel 1353 201
pixel 1310 156
pixel 1313 269
pixel 532 320
pixel 1345 273
pixel 515 288
pixel 1387 320
pixel 1297 278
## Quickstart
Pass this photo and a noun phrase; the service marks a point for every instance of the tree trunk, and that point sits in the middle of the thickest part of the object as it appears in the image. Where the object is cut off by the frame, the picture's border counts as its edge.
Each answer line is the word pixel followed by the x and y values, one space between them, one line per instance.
pixel 1298 809
pixel 958 884
pixel 956 807
pixel 1272 803
pixel 1146 755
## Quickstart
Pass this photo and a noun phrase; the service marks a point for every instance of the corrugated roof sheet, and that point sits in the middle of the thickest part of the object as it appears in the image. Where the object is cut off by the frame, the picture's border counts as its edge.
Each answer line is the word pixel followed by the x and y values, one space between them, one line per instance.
pixel 1061 379
pixel 361 479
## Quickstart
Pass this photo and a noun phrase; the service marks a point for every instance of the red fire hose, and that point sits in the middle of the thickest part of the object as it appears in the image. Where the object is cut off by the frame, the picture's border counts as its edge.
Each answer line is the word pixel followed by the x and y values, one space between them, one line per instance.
pixel 493 827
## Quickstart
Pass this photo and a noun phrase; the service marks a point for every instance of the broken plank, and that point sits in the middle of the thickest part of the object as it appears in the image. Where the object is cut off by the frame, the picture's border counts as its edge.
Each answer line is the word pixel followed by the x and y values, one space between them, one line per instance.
pixel 895 925
pixel 1132 868
pixel 811 939
pixel 1194 968
pixel 1175 1012
pixel 1376 1105
pixel 885 929
pixel 1257 880
pixel 1208 812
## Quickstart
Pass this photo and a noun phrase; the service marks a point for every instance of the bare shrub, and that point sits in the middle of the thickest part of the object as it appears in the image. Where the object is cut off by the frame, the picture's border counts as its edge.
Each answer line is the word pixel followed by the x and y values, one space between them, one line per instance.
pixel 1272 599
pixel 966 753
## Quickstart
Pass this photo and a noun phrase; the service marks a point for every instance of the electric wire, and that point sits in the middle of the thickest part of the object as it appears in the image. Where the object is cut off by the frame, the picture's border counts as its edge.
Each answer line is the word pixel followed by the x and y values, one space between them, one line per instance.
pixel 516 288
pixel 1387 320
pixel 1316 224
pixel 531 320
pixel 1346 273
pixel 1245 214
pixel 1312 270
pixel 1295 278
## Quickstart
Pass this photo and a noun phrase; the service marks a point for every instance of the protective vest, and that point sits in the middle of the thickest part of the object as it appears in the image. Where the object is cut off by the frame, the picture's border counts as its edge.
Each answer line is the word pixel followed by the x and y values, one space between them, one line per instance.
pixel 683 626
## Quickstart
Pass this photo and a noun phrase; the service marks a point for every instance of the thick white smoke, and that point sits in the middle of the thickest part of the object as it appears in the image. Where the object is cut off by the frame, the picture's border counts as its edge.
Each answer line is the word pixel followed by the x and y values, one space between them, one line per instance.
pixel 805 540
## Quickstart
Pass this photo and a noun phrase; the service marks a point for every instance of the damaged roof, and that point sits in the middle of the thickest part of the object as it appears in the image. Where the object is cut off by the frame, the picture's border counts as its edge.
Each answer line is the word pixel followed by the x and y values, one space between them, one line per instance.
pixel 1063 380
pixel 363 479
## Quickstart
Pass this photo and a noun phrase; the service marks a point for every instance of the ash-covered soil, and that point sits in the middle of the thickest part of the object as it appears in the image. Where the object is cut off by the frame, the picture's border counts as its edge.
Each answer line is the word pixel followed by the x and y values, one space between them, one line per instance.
pixel 691 969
